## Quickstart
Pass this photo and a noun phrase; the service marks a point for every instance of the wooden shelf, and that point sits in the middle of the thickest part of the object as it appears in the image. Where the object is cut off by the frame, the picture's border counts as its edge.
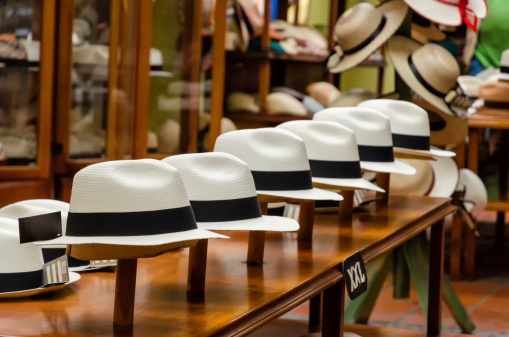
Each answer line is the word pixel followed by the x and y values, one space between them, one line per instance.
pixel 238 298
pixel 248 117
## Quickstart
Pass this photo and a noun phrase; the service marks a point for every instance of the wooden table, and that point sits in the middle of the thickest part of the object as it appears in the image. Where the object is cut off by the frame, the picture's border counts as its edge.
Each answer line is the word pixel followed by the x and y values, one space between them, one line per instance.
pixel 239 298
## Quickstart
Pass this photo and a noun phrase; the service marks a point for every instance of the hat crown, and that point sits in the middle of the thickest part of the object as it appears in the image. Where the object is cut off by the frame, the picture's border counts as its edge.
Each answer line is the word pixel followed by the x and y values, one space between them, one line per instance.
pixel 325 140
pixel 504 60
pixel 406 118
pixel 127 186
pixel 214 176
pixel 356 25
pixel 437 66
pixel 371 127
pixel 16 257
pixel 36 207
pixel 265 149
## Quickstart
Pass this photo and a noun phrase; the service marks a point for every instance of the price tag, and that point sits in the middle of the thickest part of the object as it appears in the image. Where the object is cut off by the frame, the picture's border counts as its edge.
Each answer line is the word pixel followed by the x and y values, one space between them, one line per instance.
pixel 355 276
pixel 56 271
pixel 103 263
pixel 40 227
pixel 292 211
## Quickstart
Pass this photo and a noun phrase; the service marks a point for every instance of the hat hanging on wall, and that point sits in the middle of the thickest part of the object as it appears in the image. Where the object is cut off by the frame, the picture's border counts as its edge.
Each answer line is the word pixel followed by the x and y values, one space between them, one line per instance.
pixel 423 28
pixel 361 30
pixel 409 126
pixel 451 12
pixel 429 70
pixel 373 133
pixel 332 152
pixel 278 162
pixel 21 273
pixel 446 175
pixel 222 193
pixel 476 196
pixel 419 184
pixel 129 203
pixel 28 208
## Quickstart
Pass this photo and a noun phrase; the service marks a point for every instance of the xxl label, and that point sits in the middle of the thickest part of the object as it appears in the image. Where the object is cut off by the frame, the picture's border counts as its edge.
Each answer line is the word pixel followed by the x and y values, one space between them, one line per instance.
pixel 355 276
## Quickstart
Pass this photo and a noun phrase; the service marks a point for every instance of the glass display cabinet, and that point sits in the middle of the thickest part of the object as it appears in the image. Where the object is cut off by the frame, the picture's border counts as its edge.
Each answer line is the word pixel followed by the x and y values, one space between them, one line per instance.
pixel 27 40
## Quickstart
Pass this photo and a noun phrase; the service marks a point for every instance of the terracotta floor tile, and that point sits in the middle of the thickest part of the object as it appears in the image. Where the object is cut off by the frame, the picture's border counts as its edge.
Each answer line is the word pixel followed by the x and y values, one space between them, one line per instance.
pixel 386 316
pixel 395 305
pixel 471 292
pixel 498 301
pixel 302 309
pixel 491 320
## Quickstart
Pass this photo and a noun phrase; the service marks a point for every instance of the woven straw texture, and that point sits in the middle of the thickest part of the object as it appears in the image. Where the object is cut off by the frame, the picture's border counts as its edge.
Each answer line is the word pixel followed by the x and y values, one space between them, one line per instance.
pixel 16 257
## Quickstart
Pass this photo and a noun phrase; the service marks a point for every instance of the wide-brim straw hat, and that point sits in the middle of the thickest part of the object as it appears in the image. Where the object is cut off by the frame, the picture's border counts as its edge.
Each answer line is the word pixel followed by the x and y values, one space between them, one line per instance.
pixel 361 30
pixel 332 152
pixel 21 265
pixel 447 12
pixel 278 162
pixel 476 196
pixel 446 175
pixel 429 70
pixel 418 184
pixel 374 139
pixel 409 126
pixel 130 203
pixel 494 98
pixel 222 193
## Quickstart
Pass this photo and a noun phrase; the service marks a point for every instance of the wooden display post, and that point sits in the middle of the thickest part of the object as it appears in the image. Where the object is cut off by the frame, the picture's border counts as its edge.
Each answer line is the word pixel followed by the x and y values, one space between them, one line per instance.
pixel 197 268
pixel 383 181
pixel 125 289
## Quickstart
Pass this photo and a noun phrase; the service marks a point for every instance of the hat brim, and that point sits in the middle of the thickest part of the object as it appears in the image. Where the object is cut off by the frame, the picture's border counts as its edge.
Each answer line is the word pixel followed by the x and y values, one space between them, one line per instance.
pixel 476 192
pixel 446 176
pixel 160 73
pixel 388 167
pixel 351 183
pixel 424 153
pixel 73 277
pixel 395 12
pixel 399 49
pixel 311 194
pixel 432 32
pixel 445 14
pixel 146 240
pixel 263 223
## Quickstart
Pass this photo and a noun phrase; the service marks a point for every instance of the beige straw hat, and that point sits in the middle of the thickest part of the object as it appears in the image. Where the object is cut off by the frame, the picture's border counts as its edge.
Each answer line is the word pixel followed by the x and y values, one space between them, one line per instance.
pixel 423 28
pixel 361 30
pixel 418 184
pixel 429 70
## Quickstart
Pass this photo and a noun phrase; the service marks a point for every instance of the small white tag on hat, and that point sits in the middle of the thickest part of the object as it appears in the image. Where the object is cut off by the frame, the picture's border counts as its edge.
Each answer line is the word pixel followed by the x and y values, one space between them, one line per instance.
pixel 103 263
pixel 292 211
pixel 56 271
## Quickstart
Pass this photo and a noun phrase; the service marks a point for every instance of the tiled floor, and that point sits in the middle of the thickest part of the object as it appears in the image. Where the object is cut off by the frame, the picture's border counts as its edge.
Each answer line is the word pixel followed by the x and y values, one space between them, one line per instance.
pixel 486 299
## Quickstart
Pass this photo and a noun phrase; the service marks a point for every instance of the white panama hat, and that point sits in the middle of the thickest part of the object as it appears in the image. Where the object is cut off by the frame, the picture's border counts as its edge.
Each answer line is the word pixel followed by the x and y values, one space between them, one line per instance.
pixel 476 196
pixel 504 66
pixel 409 126
pixel 33 207
pixel 332 152
pixel 129 203
pixel 223 194
pixel 277 160
pixel 361 30
pixel 374 140
pixel 449 12
pixel 446 175
pixel 429 70
pixel 21 265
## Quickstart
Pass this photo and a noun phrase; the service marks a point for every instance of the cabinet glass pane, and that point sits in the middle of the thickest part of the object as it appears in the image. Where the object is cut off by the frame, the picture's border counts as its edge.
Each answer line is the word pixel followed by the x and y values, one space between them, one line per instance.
pixel 20 30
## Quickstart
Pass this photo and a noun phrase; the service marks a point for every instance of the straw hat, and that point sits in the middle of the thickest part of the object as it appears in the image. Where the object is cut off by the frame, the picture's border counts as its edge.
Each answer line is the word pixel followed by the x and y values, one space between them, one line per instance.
pixel 361 30
pixel 409 126
pixel 420 183
pixel 280 103
pixel 422 27
pixel 450 12
pixel 493 98
pixel 446 175
pixel 278 161
pixel 429 70
pixel 21 265
pixel 332 152
pixel 223 194
pixel 156 64
pixel 94 54
pixel 476 196
pixel 129 203
pixel 241 102
pixel 323 92
pixel 504 66
pixel 373 133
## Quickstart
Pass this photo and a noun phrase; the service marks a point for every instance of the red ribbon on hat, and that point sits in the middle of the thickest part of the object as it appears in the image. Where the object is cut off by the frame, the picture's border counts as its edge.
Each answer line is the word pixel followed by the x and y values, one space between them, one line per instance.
pixel 464 11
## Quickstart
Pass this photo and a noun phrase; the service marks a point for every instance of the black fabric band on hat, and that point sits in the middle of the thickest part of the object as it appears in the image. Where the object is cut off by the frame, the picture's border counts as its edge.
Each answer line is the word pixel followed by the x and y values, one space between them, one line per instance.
pixel 50 254
pixel 156 68
pixel 131 223
pixel 420 21
pixel 376 153
pixel 335 169
pixel 10 282
pixel 421 79
pixel 496 105
pixel 282 180
pixel 369 39
pixel 411 142
pixel 226 210
pixel 504 69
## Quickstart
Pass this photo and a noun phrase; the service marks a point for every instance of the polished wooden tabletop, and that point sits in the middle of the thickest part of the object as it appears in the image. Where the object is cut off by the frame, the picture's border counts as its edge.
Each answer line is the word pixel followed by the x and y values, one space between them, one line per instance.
pixel 495 119
pixel 238 298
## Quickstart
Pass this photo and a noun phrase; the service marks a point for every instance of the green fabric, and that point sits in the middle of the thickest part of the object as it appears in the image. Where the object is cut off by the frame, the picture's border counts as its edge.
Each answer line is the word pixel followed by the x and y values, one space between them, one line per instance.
pixel 493 36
